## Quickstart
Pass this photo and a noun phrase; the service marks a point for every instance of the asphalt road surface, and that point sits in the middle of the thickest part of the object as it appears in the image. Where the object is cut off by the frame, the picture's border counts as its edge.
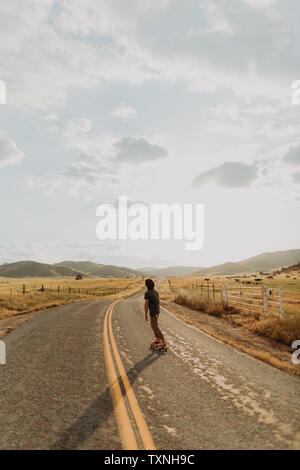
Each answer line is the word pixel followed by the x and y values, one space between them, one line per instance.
pixel 82 376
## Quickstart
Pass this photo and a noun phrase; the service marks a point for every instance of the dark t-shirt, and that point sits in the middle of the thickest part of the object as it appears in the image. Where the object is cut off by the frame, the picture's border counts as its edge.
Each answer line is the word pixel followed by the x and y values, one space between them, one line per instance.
pixel 153 302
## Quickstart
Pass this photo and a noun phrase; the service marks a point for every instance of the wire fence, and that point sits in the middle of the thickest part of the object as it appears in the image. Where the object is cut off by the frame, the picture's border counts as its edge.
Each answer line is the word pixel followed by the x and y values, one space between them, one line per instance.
pixel 59 289
pixel 211 290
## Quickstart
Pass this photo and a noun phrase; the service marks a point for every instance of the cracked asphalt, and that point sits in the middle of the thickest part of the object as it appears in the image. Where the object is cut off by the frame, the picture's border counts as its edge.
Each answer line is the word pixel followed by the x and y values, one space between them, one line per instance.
pixel 201 394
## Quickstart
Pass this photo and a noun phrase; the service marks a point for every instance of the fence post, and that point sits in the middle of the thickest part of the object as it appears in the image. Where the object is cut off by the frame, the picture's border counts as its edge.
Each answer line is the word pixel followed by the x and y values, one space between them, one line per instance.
pixel 265 299
pixel 24 289
pixel 213 291
pixel 57 288
pixel 281 302
pixel 42 287
pixel 241 295
pixel 226 294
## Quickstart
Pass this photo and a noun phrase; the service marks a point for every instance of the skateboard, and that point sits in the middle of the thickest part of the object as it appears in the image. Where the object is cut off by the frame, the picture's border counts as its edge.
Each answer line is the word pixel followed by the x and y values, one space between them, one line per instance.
pixel 158 347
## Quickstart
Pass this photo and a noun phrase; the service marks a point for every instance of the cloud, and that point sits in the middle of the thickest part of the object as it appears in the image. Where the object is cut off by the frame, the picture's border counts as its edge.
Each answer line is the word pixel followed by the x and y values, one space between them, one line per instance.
pixel 52 117
pixel 216 20
pixel 80 136
pixel 123 111
pixel 138 150
pixel 91 167
pixel 10 154
pixel 51 53
pixel 296 177
pixel 229 175
pixel 77 126
pixel 292 157
pixel 260 3
pixel 88 171
pixel 44 252
pixel 212 46
pixel 96 154
pixel 207 44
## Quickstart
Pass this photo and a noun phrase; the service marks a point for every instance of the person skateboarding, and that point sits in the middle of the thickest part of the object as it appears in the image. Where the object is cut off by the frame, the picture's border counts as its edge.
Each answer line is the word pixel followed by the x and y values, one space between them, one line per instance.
pixel 152 306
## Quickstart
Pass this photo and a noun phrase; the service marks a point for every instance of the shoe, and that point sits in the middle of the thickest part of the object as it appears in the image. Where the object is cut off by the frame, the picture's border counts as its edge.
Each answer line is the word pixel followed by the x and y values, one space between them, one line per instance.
pixel 163 347
pixel 160 345
pixel 155 343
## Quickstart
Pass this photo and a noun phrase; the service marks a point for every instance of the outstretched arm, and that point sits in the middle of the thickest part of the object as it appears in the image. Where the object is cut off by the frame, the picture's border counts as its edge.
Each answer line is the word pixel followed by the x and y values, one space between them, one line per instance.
pixel 146 309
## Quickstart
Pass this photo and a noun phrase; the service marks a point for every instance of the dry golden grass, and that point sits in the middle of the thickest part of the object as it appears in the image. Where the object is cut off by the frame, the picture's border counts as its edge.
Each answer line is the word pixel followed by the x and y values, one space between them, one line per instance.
pixel 33 284
pixel 283 331
pixel 14 302
pixel 290 287
pixel 187 291
pixel 202 303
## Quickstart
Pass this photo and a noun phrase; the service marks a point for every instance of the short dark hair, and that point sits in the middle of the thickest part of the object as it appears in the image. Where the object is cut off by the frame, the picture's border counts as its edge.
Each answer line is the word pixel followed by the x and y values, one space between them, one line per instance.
pixel 150 284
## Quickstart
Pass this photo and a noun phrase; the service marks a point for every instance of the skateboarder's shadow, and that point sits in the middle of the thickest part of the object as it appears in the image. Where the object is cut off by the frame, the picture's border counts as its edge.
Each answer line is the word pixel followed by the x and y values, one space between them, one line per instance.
pixel 98 413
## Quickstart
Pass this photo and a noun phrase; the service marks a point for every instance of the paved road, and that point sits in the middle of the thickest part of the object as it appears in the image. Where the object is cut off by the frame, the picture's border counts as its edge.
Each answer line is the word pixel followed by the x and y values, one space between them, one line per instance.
pixel 58 389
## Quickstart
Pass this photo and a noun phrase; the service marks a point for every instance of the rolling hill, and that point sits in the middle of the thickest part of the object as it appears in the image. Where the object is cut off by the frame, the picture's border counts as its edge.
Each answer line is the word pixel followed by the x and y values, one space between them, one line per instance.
pixel 86 269
pixel 100 270
pixel 262 262
pixel 35 269
pixel 293 270
pixel 255 264
pixel 170 271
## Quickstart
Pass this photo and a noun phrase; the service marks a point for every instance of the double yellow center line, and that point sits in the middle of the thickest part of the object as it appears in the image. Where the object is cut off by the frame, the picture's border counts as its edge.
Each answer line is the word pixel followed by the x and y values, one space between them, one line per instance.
pixel 116 376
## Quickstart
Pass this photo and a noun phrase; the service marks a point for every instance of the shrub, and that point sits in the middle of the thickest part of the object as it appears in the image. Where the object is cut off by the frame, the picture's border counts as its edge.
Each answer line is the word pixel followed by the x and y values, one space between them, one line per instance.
pixel 284 330
pixel 203 303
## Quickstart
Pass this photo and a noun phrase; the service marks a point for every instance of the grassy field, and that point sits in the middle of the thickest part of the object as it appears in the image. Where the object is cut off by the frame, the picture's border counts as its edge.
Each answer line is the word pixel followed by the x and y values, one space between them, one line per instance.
pixel 187 291
pixel 41 293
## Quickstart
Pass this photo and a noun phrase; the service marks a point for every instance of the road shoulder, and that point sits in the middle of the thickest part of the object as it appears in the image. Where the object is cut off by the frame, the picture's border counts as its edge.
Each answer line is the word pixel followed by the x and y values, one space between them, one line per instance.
pixel 275 354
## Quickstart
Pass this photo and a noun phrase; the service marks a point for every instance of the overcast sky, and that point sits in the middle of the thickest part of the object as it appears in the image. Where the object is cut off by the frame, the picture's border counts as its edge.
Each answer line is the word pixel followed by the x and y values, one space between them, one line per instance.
pixel 162 101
